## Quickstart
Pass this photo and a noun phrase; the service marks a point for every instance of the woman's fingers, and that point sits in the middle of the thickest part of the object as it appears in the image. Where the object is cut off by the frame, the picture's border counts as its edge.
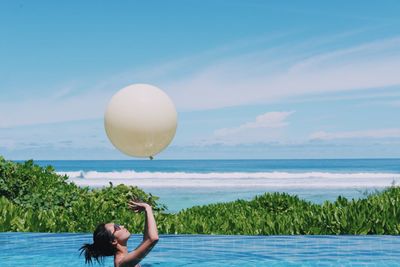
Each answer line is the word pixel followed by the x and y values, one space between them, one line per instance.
pixel 133 207
pixel 136 208
pixel 137 200
pixel 134 204
pixel 137 204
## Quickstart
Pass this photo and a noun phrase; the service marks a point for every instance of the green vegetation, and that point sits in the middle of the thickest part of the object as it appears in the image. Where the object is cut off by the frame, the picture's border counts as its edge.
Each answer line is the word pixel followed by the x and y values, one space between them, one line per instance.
pixel 36 199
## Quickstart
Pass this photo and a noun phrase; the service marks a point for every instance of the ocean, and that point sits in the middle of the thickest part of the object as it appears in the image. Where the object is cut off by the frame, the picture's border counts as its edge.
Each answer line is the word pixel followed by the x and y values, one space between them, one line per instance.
pixel 182 184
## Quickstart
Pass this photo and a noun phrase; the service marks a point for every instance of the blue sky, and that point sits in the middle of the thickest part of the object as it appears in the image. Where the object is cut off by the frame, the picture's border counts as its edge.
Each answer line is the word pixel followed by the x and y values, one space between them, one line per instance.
pixel 250 79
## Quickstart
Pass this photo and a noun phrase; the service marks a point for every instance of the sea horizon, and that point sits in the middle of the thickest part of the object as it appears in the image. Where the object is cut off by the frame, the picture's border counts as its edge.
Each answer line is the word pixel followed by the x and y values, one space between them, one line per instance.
pixel 185 183
pixel 203 159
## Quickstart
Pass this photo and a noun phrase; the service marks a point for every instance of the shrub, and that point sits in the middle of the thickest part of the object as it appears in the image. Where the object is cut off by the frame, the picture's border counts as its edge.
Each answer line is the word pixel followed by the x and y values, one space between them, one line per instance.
pixel 36 199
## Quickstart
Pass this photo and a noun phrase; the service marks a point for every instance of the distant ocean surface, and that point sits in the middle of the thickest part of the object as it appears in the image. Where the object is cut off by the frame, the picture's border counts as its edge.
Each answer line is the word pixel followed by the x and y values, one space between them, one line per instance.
pixel 185 183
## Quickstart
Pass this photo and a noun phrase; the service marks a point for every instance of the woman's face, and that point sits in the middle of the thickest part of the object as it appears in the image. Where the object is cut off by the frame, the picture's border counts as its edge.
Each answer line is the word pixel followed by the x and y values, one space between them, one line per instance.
pixel 119 231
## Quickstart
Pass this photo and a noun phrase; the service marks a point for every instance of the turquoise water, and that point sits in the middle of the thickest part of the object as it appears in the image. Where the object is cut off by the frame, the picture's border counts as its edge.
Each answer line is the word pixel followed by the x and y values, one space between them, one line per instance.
pixel 40 249
pixel 205 166
pixel 185 183
pixel 180 198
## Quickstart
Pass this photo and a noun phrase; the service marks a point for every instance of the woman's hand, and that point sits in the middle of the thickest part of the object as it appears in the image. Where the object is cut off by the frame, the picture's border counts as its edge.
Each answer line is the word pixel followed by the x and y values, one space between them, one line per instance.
pixel 138 206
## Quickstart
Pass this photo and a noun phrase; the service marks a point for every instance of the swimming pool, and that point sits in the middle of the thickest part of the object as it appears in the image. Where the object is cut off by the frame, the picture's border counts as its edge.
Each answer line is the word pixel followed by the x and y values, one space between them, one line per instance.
pixel 42 249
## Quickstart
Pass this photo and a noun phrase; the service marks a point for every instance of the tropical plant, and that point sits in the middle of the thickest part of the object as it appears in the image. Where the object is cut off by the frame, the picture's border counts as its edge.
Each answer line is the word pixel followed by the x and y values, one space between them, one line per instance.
pixel 36 199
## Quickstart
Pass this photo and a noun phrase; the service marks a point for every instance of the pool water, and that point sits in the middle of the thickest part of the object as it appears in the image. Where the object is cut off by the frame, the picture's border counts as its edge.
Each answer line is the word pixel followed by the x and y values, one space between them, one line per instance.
pixel 177 199
pixel 42 249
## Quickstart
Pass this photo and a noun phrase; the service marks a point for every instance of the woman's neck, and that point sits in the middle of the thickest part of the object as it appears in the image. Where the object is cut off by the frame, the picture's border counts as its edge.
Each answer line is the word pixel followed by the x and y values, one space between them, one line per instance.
pixel 122 248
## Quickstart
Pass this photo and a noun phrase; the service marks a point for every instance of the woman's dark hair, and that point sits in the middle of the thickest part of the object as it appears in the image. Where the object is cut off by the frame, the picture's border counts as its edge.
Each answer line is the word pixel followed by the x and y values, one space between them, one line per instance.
pixel 101 247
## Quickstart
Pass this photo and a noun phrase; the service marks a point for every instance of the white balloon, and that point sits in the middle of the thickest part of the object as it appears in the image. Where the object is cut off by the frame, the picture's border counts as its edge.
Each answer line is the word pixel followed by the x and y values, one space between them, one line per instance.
pixel 140 120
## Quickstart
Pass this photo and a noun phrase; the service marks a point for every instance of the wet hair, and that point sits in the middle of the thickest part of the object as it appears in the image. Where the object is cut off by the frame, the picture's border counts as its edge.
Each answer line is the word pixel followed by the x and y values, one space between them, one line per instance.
pixel 101 247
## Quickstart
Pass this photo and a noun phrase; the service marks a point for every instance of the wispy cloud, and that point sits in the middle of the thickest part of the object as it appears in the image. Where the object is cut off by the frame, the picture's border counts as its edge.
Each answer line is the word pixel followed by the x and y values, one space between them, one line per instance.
pixel 7 143
pixel 252 72
pixel 393 102
pixel 87 105
pixel 68 135
pixel 266 127
pixel 266 77
pixel 266 120
pixel 375 133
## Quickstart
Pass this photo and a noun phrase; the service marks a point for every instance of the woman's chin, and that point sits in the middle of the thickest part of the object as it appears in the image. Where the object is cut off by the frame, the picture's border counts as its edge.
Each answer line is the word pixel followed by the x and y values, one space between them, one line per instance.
pixel 128 235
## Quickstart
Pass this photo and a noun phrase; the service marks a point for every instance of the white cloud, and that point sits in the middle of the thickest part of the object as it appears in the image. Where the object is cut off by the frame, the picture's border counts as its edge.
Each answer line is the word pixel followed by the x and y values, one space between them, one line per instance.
pixel 88 105
pixel 7 143
pixel 266 120
pixel 212 80
pixel 77 134
pixel 266 127
pixel 376 133
pixel 264 77
pixel 395 103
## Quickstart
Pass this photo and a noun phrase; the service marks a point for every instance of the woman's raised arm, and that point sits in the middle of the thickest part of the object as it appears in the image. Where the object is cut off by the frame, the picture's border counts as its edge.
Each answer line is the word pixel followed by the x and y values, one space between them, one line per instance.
pixel 150 235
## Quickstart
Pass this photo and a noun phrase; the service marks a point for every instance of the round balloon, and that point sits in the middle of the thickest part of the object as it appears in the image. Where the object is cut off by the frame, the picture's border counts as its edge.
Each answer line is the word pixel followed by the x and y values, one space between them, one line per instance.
pixel 140 120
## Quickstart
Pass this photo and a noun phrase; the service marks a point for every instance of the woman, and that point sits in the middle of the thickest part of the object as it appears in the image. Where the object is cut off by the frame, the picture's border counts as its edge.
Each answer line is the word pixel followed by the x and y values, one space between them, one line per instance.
pixel 111 240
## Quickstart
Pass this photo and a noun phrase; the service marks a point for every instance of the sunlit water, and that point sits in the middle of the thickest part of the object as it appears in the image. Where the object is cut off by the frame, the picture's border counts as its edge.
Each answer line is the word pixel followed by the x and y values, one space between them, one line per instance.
pixel 185 183
pixel 40 249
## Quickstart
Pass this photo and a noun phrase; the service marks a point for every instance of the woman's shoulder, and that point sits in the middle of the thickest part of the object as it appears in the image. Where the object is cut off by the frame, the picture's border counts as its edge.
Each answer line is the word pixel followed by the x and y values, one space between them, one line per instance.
pixel 117 263
pixel 137 265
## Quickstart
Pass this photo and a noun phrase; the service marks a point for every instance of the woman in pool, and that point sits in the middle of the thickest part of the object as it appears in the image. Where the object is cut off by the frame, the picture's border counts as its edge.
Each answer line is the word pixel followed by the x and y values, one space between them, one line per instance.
pixel 111 240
